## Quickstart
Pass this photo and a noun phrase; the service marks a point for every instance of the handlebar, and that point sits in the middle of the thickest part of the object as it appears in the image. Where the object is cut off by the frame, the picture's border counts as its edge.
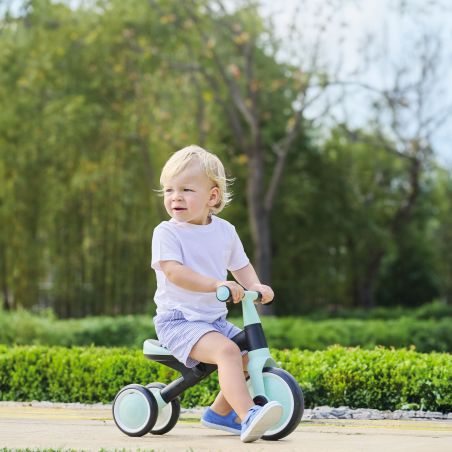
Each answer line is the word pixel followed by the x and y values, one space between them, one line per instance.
pixel 224 295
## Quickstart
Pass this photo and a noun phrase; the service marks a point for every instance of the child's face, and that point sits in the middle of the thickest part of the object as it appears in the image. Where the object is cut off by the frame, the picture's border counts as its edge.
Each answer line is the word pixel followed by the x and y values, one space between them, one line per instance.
pixel 189 195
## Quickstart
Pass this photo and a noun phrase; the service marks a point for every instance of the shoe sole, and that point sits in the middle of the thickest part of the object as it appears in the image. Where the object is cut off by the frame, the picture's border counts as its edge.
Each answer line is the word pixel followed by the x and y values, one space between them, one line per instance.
pixel 268 417
pixel 220 427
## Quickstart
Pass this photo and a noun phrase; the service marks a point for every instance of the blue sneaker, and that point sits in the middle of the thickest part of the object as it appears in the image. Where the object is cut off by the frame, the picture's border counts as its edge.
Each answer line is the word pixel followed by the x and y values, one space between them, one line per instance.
pixel 226 423
pixel 259 419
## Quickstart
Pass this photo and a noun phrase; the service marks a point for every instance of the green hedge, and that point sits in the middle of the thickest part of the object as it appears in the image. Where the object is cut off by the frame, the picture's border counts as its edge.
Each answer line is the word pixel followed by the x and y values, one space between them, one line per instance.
pixel 424 335
pixel 435 310
pixel 379 378
pixel 23 328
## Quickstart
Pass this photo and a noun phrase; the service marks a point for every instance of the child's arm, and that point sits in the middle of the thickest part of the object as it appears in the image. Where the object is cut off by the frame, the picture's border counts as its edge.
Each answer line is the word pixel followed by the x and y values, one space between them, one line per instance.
pixel 185 277
pixel 248 278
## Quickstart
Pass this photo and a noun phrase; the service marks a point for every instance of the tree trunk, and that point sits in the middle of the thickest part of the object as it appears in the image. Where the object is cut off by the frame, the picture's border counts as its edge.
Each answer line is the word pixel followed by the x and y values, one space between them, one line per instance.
pixel 367 293
pixel 259 219
pixel 7 305
pixel 6 302
pixel 363 280
pixel 366 287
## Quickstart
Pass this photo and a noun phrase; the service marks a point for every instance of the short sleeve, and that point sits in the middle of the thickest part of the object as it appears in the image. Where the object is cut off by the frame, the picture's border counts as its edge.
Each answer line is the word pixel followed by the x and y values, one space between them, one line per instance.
pixel 165 247
pixel 238 258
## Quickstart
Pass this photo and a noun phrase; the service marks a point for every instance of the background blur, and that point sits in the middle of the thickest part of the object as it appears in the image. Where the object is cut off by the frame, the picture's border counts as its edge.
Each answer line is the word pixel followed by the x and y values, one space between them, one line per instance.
pixel 334 118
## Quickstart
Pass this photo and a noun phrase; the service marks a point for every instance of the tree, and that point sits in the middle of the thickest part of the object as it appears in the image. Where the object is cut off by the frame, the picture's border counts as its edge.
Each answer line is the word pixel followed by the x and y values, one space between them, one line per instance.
pixel 441 232
pixel 88 120
pixel 96 96
pixel 263 102
pixel 408 112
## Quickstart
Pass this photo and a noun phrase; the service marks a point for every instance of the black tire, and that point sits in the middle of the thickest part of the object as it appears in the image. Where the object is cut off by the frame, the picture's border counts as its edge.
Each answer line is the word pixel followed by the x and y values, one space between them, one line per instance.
pixel 168 417
pixel 134 410
pixel 282 387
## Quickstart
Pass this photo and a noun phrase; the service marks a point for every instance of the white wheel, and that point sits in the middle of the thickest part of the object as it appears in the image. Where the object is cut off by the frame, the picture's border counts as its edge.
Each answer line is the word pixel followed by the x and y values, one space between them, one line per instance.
pixel 135 410
pixel 168 415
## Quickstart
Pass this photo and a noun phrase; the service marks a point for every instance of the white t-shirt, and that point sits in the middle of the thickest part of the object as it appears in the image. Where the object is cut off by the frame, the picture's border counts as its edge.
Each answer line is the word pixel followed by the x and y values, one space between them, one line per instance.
pixel 210 250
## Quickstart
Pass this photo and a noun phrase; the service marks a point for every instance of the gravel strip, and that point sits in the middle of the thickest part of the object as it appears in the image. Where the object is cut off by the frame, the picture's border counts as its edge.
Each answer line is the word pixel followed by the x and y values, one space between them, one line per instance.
pixel 344 412
pixel 321 412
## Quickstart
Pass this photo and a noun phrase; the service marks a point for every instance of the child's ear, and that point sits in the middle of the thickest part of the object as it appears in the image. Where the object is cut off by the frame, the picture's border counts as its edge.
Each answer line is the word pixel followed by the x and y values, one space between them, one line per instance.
pixel 214 196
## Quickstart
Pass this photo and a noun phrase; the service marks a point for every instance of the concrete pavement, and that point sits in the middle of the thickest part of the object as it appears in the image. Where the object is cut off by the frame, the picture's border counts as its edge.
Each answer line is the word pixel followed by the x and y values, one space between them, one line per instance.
pixel 93 429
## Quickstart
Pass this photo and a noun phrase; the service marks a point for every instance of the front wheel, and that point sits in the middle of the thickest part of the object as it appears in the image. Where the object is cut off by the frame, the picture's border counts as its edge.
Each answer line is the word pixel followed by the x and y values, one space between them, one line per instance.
pixel 282 387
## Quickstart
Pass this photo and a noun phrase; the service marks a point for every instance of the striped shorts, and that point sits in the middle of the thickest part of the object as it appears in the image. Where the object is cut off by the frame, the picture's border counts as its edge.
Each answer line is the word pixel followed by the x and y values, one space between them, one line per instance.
pixel 179 335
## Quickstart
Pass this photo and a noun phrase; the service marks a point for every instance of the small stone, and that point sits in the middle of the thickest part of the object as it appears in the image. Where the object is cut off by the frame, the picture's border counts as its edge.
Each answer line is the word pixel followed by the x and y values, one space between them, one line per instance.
pixel 359 414
pixel 398 414
pixel 377 415
pixel 433 415
pixel 321 412
pixel 338 412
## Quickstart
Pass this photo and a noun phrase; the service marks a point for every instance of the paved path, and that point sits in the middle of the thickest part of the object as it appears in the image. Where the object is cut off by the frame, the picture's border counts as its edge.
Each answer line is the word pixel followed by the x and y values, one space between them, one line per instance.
pixel 93 429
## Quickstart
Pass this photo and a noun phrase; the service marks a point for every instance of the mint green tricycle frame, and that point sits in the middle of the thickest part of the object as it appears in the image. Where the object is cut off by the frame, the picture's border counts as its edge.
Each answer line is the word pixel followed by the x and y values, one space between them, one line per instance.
pixel 155 409
pixel 260 358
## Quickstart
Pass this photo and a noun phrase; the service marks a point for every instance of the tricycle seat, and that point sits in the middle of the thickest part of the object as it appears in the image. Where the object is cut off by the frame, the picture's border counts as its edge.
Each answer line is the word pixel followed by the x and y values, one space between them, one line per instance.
pixel 153 347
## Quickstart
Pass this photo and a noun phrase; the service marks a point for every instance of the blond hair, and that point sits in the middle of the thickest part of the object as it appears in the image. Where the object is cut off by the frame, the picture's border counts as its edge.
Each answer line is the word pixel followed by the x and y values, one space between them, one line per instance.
pixel 210 164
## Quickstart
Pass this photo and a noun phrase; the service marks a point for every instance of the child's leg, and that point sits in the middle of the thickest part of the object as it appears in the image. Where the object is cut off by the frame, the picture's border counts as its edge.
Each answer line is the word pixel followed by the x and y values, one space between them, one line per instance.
pixel 220 404
pixel 214 348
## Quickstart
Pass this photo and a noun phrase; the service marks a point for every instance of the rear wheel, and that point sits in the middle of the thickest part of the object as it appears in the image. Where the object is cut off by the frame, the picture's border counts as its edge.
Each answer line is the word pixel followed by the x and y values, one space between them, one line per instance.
pixel 168 415
pixel 135 410
pixel 282 387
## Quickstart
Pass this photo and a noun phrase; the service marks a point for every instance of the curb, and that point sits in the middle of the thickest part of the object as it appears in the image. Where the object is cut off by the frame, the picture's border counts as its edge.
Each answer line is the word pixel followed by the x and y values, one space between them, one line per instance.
pixel 321 412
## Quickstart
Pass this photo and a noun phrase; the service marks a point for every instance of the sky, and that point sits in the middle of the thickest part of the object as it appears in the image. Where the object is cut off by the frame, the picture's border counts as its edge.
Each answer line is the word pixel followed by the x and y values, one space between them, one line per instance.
pixel 396 42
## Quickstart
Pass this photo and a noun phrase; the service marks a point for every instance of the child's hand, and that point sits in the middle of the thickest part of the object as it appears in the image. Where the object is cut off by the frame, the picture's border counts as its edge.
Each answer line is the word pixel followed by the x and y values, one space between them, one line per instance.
pixel 266 291
pixel 236 289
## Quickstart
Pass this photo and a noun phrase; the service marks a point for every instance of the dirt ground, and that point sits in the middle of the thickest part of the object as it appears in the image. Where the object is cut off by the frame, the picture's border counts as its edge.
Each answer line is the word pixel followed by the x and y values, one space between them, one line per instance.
pixel 93 429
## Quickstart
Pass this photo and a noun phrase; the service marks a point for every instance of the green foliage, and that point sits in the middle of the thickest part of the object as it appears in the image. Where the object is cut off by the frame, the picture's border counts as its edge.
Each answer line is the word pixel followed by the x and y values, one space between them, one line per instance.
pixel 435 310
pixel 441 231
pixel 427 328
pixel 87 103
pixel 340 204
pixel 22 328
pixel 424 335
pixel 378 378
pixel 95 95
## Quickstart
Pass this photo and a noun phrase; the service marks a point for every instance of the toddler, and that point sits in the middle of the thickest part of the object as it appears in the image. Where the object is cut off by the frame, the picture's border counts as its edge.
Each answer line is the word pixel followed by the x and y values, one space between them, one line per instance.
pixel 191 255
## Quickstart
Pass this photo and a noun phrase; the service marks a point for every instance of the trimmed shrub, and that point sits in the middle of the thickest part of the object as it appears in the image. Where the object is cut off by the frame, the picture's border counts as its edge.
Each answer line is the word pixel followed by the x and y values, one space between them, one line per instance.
pixel 435 310
pixel 379 378
pixel 385 379
pixel 424 335
pixel 23 328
